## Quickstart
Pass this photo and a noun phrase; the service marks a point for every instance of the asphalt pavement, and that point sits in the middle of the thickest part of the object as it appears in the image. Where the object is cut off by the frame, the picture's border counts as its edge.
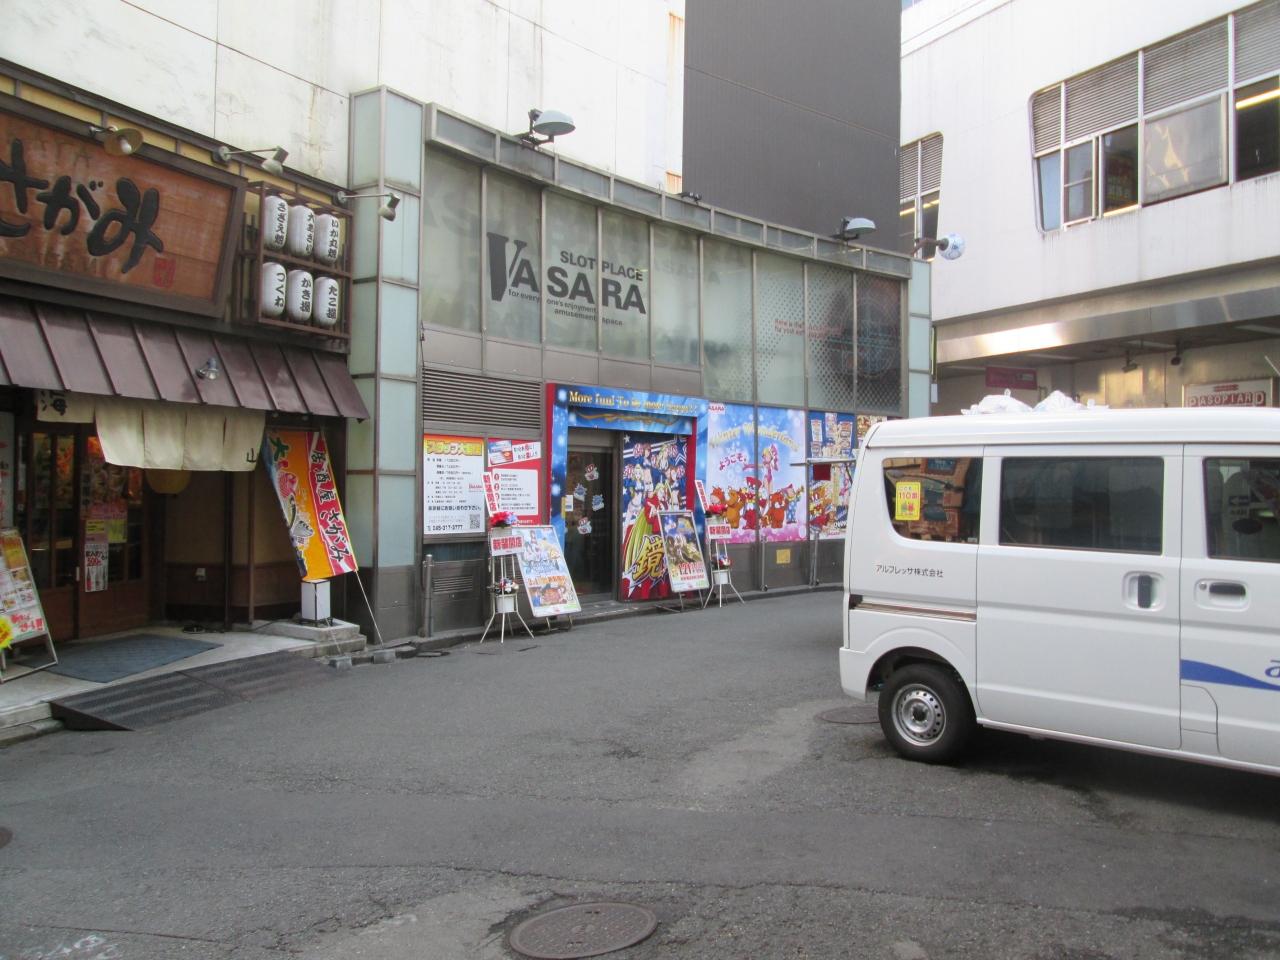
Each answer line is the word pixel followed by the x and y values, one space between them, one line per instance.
pixel 422 808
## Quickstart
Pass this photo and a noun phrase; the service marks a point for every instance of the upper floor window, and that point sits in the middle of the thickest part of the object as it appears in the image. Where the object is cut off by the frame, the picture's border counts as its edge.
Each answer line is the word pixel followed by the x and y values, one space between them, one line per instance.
pixel 919 181
pixel 1157 124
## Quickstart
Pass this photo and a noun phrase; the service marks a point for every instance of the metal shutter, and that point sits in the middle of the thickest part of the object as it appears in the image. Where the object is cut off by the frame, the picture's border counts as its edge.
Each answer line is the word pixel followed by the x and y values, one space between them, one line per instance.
pixel 1046 119
pixel 480 402
pixel 1258 41
pixel 1103 98
pixel 907 169
pixel 930 163
pixel 1185 67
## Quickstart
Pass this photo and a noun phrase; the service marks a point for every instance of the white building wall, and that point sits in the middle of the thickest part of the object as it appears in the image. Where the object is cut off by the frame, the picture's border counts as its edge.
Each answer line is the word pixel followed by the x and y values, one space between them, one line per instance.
pixel 255 74
pixel 968 72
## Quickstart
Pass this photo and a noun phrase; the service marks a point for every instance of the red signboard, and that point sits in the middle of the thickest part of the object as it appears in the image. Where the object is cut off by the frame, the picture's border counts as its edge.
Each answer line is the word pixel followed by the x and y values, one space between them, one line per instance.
pixel 1011 378
pixel 148 227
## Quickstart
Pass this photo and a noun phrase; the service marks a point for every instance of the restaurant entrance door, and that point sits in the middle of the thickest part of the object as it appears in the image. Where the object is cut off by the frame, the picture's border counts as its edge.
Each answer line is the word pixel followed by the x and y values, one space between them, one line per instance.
pixel 79 514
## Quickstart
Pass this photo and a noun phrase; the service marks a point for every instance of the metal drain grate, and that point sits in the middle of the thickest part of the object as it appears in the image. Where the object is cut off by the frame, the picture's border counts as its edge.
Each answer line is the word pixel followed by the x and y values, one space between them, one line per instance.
pixel 864 713
pixel 583 930
pixel 5 836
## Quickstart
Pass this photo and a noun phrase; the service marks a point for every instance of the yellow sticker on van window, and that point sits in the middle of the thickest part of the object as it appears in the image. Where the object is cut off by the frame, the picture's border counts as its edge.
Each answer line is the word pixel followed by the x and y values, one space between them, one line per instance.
pixel 906 500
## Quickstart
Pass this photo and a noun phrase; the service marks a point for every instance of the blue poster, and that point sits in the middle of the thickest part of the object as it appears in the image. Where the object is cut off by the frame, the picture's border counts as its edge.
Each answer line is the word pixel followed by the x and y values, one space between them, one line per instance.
pixel 731 477
pixel 781 441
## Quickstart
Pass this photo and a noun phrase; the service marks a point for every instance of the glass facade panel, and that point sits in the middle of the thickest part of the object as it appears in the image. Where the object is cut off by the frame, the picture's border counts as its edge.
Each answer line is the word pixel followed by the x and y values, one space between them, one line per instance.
pixel 830 338
pixel 397 503
pixel 624 286
pixel 400 241
pixel 513 259
pixel 398 331
pixel 404 141
pixel 451 242
pixel 726 319
pixel 675 296
pixel 1120 169
pixel 1049 171
pixel 1258 129
pixel 572 290
pixel 1184 152
pixel 879 344
pixel 779 330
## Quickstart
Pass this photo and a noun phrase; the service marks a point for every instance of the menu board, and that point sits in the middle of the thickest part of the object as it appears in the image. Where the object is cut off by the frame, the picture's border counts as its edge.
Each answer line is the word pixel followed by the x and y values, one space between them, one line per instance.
pixel 685 566
pixel 546 577
pixel 21 616
pixel 452 485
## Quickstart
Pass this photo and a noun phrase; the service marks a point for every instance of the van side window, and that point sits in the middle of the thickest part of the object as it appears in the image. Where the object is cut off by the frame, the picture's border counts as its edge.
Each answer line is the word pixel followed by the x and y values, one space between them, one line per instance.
pixel 1095 503
pixel 1242 509
pixel 934 498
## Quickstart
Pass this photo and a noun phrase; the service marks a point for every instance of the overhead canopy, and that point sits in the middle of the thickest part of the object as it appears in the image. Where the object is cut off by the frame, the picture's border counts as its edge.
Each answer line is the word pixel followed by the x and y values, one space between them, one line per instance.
pixel 49 347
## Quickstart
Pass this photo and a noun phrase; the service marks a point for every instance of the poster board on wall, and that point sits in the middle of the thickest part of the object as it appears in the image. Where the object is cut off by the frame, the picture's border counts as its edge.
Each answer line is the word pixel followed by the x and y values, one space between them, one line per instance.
pixel 515 469
pixel 686 568
pixel 452 485
pixel 782 481
pixel 545 574
pixel 832 436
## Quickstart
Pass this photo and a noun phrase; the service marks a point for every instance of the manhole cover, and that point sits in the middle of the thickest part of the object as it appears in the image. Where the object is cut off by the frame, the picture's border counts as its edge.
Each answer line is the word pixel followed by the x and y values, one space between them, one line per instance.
pixel 5 836
pixel 866 713
pixel 583 930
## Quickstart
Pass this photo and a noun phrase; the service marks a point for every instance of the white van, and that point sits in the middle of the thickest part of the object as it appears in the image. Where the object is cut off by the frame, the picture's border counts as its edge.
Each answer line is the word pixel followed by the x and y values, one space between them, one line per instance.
pixel 1102 576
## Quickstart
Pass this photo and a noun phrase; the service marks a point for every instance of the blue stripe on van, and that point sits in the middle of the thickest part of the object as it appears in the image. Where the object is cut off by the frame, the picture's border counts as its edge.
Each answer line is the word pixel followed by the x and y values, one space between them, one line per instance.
pixel 1196 671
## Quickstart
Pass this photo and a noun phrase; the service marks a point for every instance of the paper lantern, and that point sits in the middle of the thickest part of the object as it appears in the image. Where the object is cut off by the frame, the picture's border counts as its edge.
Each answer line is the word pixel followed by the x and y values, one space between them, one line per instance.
pixel 272 296
pixel 302 230
pixel 299 296
pixel 328 238
pixel 168 481
pixel 326 302
pixel 275 223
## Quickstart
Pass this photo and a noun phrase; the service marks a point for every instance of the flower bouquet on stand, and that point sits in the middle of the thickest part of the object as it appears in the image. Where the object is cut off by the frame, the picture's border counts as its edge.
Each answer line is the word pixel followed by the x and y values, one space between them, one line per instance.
pixel 503 518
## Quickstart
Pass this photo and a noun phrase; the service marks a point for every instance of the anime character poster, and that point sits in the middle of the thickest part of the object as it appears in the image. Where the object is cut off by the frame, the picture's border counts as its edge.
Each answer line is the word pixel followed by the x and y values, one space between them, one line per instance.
pixel 685 566
pixel 831 436
pixel 654 468
pixel 780 439
pixel 732 479
pixel 546 577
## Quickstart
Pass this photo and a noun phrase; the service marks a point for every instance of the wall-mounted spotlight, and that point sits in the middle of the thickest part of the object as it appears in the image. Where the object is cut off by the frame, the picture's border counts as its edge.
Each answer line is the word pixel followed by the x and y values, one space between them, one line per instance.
pixel 273 164
pixel 851 228
pixel 1176 359
pixel 690 195
pixel 210 370
pixel 545 126
pixel 951 246
pixel 387 211
pixel 1130 364
pixel 117 141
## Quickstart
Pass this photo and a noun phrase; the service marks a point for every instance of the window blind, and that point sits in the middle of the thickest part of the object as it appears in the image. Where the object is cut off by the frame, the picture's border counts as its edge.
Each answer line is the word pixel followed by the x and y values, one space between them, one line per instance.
pixel 450 396
pixel 1046 119
pixel 908 168
pixel 1103 98
pixel 930 163
pixel 1185 67
pixel 1258 41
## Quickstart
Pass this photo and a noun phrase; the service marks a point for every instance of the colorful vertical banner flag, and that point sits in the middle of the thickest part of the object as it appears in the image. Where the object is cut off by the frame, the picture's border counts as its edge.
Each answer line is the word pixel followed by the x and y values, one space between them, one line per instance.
pixel 298 466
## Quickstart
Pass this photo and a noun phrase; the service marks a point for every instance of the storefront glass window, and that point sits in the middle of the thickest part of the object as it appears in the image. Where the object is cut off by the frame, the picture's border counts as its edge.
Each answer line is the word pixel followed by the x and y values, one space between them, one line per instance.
pixel 879 343
pixel 451 242
pixel 675 296
pixel 572 291
pixel 726 318
pixel 624 287
pixel 830 338
pixel 513 259
pixel 780 330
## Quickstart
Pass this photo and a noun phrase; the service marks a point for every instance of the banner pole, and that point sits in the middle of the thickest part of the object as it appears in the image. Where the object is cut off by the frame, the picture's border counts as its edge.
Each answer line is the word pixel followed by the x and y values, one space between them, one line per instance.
pixel 372 619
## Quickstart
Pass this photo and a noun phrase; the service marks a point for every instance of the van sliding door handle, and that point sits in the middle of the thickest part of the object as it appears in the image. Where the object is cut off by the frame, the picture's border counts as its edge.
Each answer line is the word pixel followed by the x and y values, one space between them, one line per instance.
pixel 1146 588
pixel 1224 588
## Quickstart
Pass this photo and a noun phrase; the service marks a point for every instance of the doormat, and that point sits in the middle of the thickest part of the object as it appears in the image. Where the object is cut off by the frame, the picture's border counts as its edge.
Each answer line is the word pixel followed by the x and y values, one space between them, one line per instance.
pixel 105 660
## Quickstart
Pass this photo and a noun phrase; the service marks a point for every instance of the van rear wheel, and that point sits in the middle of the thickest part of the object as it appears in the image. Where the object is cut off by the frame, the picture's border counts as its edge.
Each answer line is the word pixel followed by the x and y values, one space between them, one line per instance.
pixel 925 713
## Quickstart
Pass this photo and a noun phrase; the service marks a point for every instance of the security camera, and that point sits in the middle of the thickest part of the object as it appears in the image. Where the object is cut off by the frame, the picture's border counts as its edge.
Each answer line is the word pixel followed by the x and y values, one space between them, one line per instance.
pixel 851 228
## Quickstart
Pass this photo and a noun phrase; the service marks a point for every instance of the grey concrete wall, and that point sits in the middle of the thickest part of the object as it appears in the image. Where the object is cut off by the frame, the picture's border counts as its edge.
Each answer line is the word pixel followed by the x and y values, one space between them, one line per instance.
pixel 791 110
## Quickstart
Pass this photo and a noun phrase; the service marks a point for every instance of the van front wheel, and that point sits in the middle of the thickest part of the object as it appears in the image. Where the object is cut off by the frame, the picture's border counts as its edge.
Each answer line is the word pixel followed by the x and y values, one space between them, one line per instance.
pixel 925 713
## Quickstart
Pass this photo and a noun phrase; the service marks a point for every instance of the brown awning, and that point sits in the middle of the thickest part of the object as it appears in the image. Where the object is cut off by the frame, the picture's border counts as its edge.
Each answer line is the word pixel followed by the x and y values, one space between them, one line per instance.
pixel 49 347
